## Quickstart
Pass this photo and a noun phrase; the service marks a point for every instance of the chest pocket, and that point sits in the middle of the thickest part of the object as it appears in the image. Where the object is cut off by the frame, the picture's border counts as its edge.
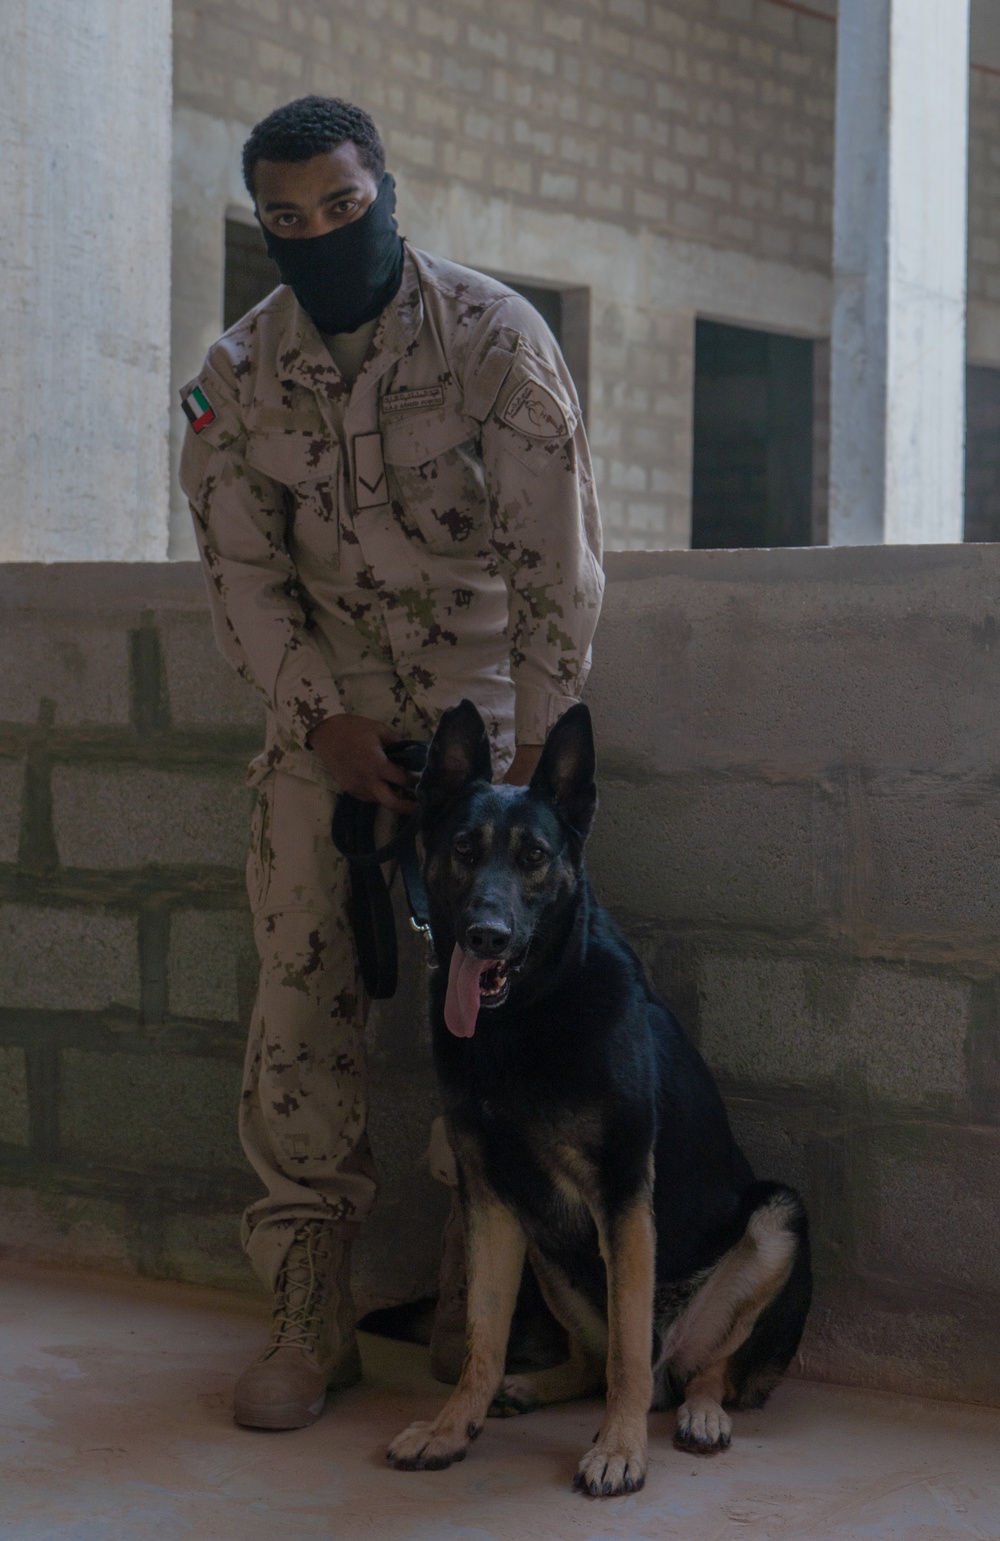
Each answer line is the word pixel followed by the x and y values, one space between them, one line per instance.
pixel 307 465
pixel 435 470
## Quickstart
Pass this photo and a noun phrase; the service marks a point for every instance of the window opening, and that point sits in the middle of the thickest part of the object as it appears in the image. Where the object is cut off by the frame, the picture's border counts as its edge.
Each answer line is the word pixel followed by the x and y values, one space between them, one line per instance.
pixel 752 481
pixel 982 454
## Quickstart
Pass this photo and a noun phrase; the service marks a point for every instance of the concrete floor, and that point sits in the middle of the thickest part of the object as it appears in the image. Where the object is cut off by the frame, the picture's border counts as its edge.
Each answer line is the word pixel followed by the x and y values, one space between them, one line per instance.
pixel 115 1425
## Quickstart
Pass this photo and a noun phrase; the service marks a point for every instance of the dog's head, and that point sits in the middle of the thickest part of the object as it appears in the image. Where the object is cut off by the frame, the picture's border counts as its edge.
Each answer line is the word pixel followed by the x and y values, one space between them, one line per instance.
pixel 503 863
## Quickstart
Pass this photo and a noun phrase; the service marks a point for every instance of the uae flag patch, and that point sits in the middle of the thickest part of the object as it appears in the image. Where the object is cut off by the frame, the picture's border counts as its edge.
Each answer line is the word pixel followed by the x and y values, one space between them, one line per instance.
pixel 198 409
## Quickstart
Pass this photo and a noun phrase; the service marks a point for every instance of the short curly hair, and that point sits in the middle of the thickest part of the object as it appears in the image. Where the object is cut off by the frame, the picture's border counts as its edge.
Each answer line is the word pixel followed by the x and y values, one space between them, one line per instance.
pixel 308 127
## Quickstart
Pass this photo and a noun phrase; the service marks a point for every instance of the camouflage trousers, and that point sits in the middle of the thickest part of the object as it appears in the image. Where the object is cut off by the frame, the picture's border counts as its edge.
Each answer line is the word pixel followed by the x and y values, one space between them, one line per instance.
pixel 303 1105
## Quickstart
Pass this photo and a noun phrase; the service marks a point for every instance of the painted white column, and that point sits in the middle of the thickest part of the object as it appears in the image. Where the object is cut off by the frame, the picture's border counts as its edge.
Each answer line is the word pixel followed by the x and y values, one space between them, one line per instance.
pixel 899 270
pixel 85 105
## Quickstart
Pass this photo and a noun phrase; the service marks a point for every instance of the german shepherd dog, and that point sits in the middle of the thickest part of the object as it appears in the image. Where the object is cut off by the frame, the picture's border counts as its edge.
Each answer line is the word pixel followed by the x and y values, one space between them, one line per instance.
pixel 589 1135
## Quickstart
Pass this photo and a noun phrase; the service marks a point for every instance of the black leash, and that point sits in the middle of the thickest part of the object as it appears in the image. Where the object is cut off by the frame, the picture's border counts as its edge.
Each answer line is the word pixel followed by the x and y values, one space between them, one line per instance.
pixel 369 907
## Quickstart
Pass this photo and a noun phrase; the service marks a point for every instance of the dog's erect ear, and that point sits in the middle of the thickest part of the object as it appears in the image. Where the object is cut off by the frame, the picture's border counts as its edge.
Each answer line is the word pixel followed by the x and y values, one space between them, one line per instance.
pixel 459 753
pixel 565 773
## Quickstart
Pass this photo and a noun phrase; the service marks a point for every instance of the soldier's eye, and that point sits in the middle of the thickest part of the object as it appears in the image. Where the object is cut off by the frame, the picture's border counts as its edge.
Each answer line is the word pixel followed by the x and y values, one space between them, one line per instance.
pixel 535 855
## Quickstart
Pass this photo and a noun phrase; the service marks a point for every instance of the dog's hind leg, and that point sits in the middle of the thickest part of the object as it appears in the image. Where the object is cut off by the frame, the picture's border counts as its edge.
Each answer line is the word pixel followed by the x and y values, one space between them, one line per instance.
pixel 720 1317
pixel 495 1246
pixel 582 1374
pixel 617 1463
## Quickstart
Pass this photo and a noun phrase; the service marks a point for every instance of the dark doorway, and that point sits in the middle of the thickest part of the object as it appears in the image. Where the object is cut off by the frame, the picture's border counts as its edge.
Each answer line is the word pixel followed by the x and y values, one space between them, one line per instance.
pixel 250 274
pixel 982 454
pixel 753 438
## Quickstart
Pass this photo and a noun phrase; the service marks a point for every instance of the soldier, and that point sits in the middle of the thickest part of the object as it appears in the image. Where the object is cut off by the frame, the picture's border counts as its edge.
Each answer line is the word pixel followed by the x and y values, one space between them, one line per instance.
pixel 394 505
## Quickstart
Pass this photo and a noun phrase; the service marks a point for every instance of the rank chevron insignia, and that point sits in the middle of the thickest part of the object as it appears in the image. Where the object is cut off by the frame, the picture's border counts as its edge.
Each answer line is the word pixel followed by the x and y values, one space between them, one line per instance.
pixel 198 409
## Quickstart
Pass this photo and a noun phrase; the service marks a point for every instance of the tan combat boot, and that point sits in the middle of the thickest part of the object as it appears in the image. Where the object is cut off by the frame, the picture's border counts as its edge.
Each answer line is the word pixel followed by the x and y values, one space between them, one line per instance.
pixel 312 1347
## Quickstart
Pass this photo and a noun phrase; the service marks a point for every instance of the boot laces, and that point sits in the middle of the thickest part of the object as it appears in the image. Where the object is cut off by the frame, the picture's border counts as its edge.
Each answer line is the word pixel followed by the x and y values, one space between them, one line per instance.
pixel 303 1289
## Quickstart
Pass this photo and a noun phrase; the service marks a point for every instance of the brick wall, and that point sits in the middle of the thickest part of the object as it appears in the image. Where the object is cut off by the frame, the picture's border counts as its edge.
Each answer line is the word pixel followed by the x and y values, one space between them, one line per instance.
pixel 610 143
pixel 703 119
pixel 128 964
pixel 675 158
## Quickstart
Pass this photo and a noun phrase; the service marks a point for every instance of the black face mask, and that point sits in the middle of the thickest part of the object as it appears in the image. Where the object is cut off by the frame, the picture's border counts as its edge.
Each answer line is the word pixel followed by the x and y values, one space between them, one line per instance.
pixel 348 276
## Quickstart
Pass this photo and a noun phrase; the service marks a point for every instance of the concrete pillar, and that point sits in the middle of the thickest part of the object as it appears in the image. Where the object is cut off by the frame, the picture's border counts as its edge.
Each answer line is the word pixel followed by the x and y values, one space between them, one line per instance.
pixel 899 266
pixel 85 104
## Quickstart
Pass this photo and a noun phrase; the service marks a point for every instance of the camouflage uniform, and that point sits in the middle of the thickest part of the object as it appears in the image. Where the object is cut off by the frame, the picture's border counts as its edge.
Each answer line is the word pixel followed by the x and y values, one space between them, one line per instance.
pixel 384 549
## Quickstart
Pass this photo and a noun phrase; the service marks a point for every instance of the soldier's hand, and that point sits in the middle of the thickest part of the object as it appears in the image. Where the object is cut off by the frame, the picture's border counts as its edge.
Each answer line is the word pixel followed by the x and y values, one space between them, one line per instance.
pixel 522 767
pixel 352 750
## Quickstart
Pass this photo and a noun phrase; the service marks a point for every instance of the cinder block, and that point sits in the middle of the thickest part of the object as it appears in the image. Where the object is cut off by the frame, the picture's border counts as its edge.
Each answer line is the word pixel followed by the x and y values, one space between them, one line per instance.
pixel 208 949
pixel 71 1230
pixel 130 816
pixel 11 787
pixel 13 1097
pixel 892 1033
pixel 67 960
pixel 774 1139
pixel 932 1209
pixel 705 849
pixel 205 1249
pixel 745 673
pixel 139 1111
pixel 895 1340
pixel 78 662
pixel 202 689
pixel 934 859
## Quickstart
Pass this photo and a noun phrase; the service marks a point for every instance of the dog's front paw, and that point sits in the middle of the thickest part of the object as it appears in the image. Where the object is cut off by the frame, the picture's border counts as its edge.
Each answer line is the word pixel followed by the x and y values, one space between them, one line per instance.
pixel 422 1448
pixel 606 1471
pixel 703 1428
pixel 515 1395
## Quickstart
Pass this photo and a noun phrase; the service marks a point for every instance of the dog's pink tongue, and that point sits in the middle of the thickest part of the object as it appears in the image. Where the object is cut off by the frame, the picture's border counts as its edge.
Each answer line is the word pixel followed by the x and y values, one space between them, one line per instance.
pixel 461 1004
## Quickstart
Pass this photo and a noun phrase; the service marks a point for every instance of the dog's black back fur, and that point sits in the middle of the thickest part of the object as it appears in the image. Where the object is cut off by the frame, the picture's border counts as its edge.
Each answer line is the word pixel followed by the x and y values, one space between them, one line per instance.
pixel 581 1050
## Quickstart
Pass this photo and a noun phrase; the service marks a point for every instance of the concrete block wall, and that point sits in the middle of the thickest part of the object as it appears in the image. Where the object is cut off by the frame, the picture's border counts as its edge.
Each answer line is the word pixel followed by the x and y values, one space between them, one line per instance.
pixel 798 830
pixel 127 968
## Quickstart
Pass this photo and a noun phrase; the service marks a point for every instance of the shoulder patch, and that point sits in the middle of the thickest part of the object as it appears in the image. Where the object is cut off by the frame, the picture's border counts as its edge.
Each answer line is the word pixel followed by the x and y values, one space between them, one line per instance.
pixel 197 409
pixel 534 411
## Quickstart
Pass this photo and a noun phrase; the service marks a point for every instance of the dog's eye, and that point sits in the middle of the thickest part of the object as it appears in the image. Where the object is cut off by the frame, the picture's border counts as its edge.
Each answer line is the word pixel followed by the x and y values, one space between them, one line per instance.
pixel 462 847
pixel 535 855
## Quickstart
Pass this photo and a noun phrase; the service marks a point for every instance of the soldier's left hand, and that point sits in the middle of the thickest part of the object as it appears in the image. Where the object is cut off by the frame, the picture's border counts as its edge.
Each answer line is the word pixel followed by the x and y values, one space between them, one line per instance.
pixel 522 767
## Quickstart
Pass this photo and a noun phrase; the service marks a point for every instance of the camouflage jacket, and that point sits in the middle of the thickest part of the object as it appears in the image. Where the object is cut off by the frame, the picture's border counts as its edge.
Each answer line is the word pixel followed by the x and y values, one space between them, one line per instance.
pixel 430 532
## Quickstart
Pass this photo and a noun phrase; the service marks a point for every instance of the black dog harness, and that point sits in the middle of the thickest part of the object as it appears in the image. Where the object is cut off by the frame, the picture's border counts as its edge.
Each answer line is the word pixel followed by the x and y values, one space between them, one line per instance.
pixel 369 907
